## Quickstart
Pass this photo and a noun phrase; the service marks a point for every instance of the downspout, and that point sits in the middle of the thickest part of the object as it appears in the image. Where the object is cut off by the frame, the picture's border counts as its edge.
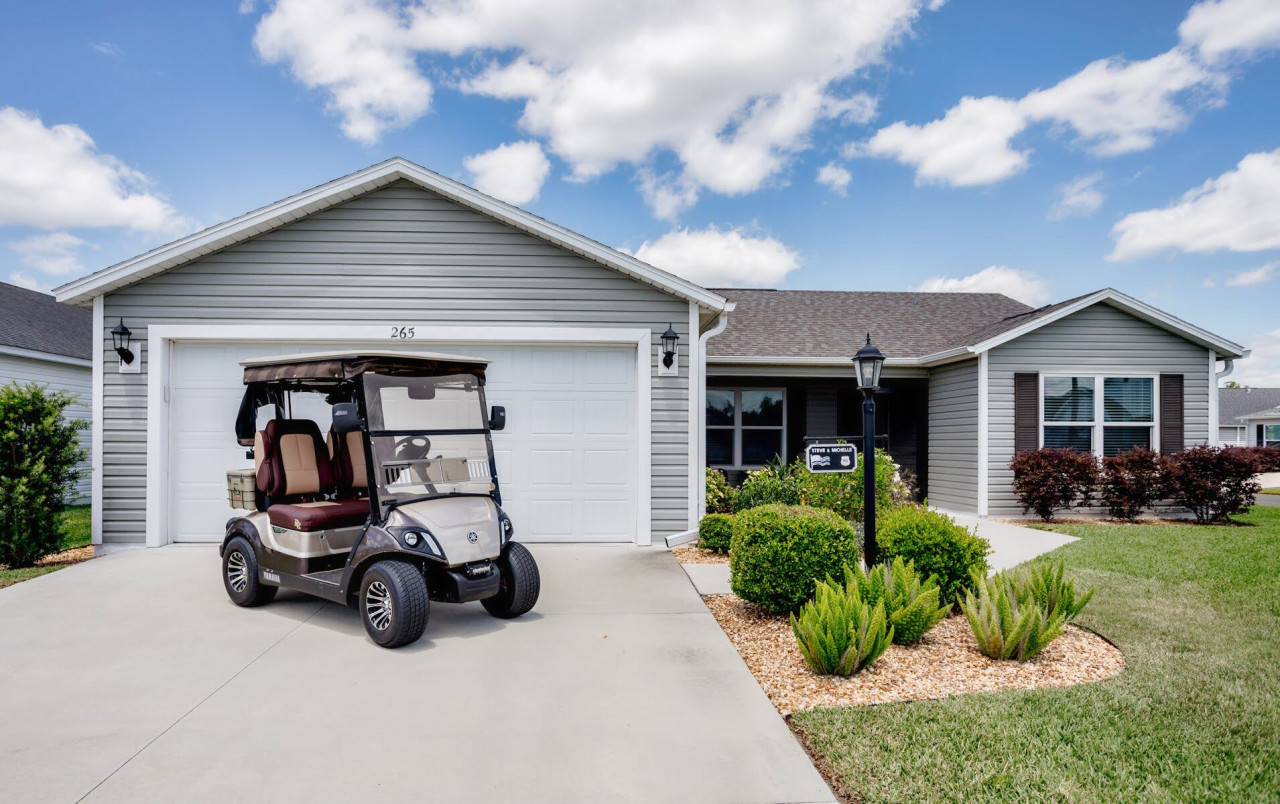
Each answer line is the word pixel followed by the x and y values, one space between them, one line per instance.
pixel 700 448
pixel 1228 367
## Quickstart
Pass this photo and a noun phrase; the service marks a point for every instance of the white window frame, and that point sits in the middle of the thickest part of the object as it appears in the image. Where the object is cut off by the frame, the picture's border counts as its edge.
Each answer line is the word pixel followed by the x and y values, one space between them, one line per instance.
pixel 1097 425
pixel 738 427
pixel 1269 442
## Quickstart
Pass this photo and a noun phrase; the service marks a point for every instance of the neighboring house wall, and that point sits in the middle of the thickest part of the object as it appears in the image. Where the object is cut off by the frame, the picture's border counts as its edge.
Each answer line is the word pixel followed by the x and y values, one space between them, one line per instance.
pixel 58 377
pixel 394 255
pixel 1097 340
pixel 953 436
pixel 1231 436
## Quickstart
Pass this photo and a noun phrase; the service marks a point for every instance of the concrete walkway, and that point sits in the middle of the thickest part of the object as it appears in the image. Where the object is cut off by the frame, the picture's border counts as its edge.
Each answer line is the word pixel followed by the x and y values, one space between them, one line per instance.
pixel 1011 545
pixel 132 678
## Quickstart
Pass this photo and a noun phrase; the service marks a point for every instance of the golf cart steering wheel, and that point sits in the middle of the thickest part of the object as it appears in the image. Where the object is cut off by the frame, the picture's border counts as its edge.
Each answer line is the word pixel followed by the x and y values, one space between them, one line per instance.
pixel 411 448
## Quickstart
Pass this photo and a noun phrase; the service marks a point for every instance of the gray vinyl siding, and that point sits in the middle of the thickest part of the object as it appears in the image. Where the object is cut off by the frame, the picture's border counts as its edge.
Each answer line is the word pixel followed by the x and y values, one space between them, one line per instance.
pixel 399 254
pixel 59 377
pixel 953 436
pixel 1097 340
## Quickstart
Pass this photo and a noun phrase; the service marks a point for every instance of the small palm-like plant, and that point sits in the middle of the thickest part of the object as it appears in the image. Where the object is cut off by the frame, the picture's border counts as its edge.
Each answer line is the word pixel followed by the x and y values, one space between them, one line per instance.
pixel 839 633
pixel 1046 582
pixel 1006 624
pixel 910 603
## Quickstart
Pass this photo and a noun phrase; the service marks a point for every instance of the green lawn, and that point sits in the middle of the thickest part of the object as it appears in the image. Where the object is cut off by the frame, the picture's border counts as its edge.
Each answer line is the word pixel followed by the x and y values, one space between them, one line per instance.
pixel 1271 491
pixel 75 523
pixel 1195 716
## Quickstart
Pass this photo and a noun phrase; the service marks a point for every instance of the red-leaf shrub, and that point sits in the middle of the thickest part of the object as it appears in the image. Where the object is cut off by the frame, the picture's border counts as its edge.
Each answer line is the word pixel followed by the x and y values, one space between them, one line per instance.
pixel 1212 483
pixel 1265 459
pixel 1047 480
pixel 1130 482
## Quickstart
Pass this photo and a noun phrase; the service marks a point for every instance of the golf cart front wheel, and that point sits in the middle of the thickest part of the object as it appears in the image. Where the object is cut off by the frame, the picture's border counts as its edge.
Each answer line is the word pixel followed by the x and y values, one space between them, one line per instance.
pixel 240 575
pixel 520 584
pixel 393 603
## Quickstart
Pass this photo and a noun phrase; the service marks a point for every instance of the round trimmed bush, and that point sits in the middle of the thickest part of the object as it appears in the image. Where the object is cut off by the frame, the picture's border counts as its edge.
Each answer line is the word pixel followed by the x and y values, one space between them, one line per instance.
pixel 938 546
pixel 779 552
pixel 715 531
pixel 768 486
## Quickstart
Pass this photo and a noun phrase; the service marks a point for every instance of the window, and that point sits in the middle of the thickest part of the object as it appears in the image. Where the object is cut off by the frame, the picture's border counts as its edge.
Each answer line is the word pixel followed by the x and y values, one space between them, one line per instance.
pixel 745 426
pixel 1102 415
pixel 1271 435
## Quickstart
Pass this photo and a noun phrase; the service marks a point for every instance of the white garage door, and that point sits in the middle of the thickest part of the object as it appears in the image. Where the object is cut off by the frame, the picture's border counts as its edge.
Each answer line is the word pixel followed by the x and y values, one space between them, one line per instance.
pixel 566 462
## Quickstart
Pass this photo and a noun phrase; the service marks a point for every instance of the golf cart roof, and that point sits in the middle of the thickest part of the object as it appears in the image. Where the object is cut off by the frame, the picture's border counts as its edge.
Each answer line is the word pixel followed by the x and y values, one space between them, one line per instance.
pixel 348 365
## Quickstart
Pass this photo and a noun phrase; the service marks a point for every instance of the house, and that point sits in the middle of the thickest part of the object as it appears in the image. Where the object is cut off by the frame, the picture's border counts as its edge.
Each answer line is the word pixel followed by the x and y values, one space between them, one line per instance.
pixel 606 438
pixel 968 380
pixel 48 343
pixel 1248 416
pixel 597 446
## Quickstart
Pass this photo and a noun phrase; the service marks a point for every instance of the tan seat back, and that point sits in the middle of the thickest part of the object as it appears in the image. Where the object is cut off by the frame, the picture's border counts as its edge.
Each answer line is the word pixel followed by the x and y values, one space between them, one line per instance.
pixel 347 455
pixel 293 460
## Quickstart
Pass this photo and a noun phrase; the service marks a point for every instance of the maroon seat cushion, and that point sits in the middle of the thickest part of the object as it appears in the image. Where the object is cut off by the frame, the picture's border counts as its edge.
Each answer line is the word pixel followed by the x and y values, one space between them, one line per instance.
pixel 319 515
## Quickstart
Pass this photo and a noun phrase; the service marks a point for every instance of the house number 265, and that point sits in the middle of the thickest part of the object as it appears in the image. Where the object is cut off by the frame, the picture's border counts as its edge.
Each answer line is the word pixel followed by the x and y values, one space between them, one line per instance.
pixel 402 333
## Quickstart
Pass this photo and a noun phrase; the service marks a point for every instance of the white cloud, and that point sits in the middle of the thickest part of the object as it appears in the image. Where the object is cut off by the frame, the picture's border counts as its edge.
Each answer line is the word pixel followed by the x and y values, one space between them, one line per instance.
pixel 107 48
pixel 359 52
pixel 1219 28
pixel 54 177
pixel 967 147
pixel 1024 286
pixel 247 6
pixel 1261 369
pixel 513 172
pixel 1079 197
pixel 667 195
pixel 732 90
pixel 29 282
pixel 1237 211
pixel 715 257
pixel 1257 276
pixel 53 253
pixel 835 177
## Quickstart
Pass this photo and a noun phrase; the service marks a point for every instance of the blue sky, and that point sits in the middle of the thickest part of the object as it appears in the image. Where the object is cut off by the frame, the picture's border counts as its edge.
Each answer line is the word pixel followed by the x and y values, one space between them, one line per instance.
pixel 1043 150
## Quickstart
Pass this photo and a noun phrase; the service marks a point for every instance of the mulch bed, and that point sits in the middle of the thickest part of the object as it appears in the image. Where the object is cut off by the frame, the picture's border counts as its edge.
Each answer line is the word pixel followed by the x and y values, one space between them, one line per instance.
pixel 696 555
pixel 64 559
pixel 945 662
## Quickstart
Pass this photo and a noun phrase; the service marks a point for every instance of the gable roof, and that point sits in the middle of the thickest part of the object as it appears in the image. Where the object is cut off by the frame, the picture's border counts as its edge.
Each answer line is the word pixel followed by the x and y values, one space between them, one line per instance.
pixel 82 291
pixel 822 327
pixel 1233 403
pixel 1273 413
pixel 34 322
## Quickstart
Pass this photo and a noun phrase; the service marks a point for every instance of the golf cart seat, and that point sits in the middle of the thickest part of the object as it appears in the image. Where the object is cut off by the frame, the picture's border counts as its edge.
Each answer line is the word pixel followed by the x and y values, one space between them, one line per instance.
pixel 346 455
pixel 295 466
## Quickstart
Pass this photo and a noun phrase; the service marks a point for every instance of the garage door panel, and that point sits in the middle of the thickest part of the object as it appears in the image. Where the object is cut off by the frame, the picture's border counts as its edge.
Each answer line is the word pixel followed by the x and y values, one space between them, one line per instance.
pixel 566 462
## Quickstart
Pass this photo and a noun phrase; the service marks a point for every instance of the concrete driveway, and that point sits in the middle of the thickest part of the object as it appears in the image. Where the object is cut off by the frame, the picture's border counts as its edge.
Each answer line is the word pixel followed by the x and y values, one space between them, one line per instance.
pixel 133 678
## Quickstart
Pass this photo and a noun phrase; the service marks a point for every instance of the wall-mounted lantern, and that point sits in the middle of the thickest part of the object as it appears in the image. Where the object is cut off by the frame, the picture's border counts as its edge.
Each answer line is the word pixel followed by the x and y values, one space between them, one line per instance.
pixel 669 342
pixel 120 337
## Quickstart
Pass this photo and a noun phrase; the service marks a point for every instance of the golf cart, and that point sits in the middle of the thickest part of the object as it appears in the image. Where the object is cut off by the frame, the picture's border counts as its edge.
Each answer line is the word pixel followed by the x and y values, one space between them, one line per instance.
pixel 400 504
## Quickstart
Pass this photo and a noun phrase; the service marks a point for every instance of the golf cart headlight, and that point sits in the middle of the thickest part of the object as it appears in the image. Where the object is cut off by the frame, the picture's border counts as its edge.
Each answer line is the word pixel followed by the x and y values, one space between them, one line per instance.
pixel 412 538
pixel 507 528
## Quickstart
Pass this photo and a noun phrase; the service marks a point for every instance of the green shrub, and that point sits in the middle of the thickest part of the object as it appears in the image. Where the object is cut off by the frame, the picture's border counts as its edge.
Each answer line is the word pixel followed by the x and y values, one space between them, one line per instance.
pixel 1009 625
pixel 838 632
pixel 772 485
pixel 39 453
pixel 719 493
pixel 778 552
pixel 842 491
pixel 715 532
pixel 1046 582
pixel 910 603
pixel 936 544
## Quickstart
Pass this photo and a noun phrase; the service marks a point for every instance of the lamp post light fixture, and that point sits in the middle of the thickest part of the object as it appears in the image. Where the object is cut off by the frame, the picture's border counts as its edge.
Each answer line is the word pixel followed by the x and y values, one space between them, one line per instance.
pixel 869 361
pixel 120 335
pixel 669 341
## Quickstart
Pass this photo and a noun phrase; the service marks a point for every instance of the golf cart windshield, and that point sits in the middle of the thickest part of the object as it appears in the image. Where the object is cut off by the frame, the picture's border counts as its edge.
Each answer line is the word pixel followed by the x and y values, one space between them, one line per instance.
pixel 428 435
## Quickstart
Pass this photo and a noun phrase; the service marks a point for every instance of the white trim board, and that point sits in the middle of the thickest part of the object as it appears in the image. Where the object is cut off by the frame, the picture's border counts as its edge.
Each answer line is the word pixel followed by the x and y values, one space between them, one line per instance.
pixel 95 458
pixel 160 339
pixel 48 357
pixel 273 216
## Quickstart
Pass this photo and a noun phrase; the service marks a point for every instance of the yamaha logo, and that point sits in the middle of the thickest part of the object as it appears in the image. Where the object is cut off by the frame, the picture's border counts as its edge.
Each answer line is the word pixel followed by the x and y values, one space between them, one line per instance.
pixel 473 537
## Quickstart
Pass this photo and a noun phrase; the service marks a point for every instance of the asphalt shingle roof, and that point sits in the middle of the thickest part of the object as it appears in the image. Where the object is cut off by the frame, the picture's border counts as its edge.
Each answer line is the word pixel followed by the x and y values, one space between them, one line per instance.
pixel 33 320
pixel 834 323
pixel 1236 402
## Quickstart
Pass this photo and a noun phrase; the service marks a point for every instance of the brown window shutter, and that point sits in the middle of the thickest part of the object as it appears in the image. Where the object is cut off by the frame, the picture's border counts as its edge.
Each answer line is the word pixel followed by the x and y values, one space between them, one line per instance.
pixel 1026 412
pixel 1172 437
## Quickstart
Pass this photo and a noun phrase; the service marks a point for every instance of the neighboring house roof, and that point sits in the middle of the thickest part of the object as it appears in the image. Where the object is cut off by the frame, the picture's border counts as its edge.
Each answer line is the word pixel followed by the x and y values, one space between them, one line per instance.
pixel 252 224
pixel 1273 413
pixel 1234 403
pixel 827 327
pixel 31 321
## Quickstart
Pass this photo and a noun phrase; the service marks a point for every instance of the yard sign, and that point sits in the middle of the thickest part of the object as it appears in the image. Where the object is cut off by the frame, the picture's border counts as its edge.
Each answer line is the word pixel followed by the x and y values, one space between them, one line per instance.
pixel 831 457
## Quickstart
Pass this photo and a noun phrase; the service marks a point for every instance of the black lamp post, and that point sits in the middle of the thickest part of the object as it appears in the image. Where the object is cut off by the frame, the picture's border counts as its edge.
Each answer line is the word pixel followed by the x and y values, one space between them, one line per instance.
pixel 669 341
pixel 120 340
pixel 869 362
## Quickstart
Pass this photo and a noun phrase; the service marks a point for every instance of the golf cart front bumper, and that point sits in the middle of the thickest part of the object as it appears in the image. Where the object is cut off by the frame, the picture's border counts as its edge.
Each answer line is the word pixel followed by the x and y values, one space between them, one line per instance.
pixel 458 586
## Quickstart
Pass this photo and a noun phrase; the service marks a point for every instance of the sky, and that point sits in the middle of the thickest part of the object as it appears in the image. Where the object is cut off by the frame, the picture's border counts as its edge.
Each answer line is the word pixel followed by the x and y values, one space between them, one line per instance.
pixel 1042 150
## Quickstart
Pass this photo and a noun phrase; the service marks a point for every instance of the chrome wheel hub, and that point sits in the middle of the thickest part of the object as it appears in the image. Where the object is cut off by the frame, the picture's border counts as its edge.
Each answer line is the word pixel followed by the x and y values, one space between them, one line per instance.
pixel 377 605
pixel 237 571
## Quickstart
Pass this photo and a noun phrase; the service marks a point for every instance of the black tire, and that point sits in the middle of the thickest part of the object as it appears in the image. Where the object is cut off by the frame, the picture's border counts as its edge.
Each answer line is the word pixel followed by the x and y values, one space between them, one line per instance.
pixel 520 584
pixel 396 612
pixel 240 575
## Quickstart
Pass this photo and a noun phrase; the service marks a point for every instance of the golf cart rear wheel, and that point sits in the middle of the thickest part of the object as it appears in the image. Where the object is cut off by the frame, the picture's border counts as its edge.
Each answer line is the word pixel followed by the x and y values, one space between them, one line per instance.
pixel 240 575
pixel 520 584
pixel 393 603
